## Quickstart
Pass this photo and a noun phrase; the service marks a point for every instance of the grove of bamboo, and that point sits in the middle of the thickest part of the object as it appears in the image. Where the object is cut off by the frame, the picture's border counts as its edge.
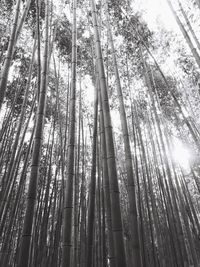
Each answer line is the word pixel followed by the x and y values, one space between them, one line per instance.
pixel 99 133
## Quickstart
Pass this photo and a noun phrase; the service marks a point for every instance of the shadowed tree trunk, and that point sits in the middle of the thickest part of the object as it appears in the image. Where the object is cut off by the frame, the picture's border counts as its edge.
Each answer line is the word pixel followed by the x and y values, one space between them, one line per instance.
pixel 17 27
pixel 185 34
pixel 128 157
pixel 189 25
pixel 68 202
pixel 92 189
pixel 112 171
pixel 8 59
pixel 31 197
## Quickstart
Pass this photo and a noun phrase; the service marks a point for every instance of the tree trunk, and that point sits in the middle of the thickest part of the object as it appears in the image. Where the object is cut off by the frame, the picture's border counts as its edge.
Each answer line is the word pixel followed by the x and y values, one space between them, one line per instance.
pixel 128 157
pixel 185 34
pixel 91 205
pixel 68 202
pixel 8 59
pixel 112 171
pixel 31 197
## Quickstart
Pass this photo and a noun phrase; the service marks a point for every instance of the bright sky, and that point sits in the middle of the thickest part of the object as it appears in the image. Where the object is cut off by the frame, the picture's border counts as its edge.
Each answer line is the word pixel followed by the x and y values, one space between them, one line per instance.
pixel 158 10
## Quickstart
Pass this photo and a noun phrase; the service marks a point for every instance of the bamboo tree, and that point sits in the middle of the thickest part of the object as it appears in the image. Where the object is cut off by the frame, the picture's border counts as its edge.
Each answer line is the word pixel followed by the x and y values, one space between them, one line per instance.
pixel 22 19
pixel 7 62
pixel 17 26
pixel 44 222
pixel 91 204
pixel 15 207
pixel 82 208
pixel 106 187
pixel 172 198
pixel 114 188
pixel 31 197
pixel 128 156
pixel 77 183
pixel 177 102
pixel 189 25
pixel 38 45
pixel 11 167
pixel 15 170
pixel 68 202
pixel 83 221
pixel 185 34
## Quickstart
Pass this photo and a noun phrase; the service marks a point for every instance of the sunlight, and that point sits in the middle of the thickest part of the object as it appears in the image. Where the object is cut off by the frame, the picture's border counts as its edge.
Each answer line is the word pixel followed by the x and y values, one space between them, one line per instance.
pixel 158 10
pixel 181 154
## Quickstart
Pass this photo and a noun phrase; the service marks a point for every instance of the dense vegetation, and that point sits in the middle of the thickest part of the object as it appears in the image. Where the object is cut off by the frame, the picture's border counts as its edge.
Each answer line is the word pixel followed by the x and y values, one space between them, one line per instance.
pixel 99 134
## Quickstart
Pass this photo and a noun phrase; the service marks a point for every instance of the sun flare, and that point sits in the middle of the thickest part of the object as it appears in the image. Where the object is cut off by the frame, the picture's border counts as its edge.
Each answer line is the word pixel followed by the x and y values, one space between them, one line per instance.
pixel 181 154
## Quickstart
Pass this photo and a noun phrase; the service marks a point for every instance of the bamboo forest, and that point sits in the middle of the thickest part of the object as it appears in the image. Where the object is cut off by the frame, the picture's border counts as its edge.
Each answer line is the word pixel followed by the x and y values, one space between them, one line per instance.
pixel 99 133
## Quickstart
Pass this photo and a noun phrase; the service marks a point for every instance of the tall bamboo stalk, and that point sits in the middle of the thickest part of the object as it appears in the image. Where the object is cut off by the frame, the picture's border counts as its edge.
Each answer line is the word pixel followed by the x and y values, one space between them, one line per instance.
pixel 68 202
pixel 128 156
pixel 112 171
pixel 189 25
pixel 7 62
pixel 32 191
pixel 185 34
pixel 92 190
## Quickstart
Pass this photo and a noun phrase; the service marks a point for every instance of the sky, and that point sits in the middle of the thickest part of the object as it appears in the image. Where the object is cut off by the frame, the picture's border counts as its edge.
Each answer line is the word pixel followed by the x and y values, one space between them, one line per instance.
pixel 157 10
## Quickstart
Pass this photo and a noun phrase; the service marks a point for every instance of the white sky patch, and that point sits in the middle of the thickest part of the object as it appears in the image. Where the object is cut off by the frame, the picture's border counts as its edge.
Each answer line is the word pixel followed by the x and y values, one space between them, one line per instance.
pixel 88 89
pixel 181 154
pixel 11 73
pixel 169 64
pixel 28 136
pixel 86 34
pixel 115 117
pixel 2 114
pixel 156 11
